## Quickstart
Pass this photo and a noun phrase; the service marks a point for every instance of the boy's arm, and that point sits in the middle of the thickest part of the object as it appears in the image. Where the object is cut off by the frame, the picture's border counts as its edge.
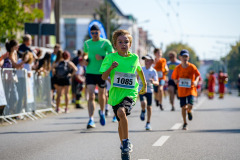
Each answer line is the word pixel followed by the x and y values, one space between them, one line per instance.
pixel 196 81
pixel 107 72
pixel 142 77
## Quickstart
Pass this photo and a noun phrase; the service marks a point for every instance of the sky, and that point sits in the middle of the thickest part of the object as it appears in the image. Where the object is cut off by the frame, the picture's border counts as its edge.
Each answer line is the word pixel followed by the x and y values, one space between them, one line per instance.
pixel 210 27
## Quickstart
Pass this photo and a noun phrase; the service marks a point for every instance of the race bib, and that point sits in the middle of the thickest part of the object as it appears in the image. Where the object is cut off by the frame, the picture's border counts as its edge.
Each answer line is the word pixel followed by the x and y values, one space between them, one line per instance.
pixel 124 80
pixel 184 82
pixel 160 74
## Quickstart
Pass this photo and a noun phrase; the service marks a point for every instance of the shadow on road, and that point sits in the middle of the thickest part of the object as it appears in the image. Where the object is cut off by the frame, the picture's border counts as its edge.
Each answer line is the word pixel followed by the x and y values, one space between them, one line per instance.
pixel 131 131
pixel 219 109
pixel 218 131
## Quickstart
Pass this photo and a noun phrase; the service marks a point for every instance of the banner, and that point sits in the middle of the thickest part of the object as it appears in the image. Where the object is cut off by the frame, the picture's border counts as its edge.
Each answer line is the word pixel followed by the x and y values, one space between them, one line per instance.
pixel 30 91
pixel 3 101
pixel 101 27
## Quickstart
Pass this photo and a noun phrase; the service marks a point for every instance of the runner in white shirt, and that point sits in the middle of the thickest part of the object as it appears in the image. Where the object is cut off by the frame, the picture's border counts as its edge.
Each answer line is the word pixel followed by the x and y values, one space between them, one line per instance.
pixel 151 79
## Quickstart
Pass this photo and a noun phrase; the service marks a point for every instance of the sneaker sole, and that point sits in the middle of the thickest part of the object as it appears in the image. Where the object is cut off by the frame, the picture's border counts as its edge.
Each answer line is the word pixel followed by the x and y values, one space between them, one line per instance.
pixel 90 126
pixel 125 156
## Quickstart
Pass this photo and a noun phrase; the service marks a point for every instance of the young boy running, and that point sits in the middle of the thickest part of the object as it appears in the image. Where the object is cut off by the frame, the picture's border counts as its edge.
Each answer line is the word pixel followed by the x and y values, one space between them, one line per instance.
pixel 152 79
pixel 186 76
pixel 162 69
pixel 122 66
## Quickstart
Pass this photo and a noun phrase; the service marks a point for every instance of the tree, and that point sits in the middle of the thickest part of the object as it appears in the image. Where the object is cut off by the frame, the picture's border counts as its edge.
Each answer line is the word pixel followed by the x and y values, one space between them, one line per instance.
pixel 178 47
pixel 233 62
pixel 108 17
pixel 13 15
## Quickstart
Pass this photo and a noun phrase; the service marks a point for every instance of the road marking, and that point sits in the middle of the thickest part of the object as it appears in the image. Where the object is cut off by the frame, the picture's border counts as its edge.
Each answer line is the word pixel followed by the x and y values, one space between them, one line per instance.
pixel 160 141
pixel 177 126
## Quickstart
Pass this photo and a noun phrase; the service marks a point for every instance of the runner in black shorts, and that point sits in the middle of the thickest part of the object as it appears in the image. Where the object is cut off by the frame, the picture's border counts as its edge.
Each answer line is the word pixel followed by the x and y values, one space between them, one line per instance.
pixel 172 87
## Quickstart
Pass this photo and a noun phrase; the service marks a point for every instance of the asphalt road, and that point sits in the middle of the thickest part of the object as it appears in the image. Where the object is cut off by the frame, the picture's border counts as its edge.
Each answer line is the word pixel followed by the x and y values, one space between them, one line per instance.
pixel 214 134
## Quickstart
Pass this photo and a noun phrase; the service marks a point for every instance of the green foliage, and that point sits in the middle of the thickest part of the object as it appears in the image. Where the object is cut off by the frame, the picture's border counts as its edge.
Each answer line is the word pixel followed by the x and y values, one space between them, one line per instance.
pixel 233 62
pixel 13 15
pixel 102 11
pixel 178 47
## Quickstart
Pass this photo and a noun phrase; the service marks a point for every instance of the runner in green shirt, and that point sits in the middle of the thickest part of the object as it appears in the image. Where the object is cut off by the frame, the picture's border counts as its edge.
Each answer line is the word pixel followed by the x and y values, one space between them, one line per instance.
pixel 122 66
pixel 96 48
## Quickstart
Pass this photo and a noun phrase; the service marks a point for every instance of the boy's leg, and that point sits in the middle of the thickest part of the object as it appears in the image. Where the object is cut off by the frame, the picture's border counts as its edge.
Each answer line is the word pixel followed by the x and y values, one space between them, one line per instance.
pixel 160 96
pixel 123 123
pixel 184 113
pixel 171 95
pixel 143 106
pixel 149 106
pixel 102 98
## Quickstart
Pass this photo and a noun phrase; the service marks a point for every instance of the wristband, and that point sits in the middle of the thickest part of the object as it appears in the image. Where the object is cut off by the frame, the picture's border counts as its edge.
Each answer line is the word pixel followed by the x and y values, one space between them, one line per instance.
pixel 103 57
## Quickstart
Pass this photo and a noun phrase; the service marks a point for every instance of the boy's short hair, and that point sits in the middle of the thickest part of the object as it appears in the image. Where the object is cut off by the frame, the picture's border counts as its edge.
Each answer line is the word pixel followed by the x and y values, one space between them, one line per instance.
pixel 157 50
pixel 121 32
pixel 94 27
pixel 26 37
pixel 172 52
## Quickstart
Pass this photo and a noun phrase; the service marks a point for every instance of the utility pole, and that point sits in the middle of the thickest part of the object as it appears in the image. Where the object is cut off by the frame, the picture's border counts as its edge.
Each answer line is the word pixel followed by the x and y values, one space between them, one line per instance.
pixel 108 20
pixel 57 10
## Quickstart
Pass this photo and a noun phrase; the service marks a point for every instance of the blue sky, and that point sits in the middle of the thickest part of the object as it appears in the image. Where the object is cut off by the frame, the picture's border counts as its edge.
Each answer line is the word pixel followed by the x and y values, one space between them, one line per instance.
pixel 208 26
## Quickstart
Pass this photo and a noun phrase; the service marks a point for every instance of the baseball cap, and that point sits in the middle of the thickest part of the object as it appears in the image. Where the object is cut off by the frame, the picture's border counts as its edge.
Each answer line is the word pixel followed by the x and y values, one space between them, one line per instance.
pixel 147 57
pixel 184 52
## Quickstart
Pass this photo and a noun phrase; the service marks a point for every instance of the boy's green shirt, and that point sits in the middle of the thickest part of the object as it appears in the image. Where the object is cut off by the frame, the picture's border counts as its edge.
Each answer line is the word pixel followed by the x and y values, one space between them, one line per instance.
pixel 127 65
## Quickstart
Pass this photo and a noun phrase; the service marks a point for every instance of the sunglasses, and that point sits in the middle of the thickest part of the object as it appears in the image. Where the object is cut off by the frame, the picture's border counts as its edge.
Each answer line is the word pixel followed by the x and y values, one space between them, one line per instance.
pixel 94 33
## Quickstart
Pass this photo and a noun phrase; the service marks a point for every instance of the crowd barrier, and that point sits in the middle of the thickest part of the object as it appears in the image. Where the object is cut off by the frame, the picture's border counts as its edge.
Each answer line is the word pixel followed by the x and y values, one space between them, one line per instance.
pixel 24 94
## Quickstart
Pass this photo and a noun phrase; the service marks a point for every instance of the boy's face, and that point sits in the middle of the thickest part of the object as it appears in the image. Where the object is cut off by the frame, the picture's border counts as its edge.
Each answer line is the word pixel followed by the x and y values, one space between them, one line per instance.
pixel 123 44
pixel 184 58
pixel 158 54
pixel 148 62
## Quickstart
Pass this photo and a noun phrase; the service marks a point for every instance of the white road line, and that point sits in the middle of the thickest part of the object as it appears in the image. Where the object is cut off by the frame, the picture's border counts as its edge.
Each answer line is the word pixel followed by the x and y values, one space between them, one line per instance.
pixel 177 126
pixel 160 141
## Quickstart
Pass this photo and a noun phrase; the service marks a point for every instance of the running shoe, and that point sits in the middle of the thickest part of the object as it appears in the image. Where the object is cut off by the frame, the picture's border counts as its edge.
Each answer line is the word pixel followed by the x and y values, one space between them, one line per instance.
pixel 148 126
pixel 161 107
pixel 190 116
pixel 125 156
pixel 102 119
pixel 114 119
pixel 91 124
pixel 173 109
pixel 127 146
pixel 184 126
pixel 142 115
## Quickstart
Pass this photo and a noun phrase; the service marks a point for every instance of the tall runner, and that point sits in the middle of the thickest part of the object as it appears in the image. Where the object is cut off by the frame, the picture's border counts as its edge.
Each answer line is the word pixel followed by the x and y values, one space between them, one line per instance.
pixel 162 69
pixel 186 76
pixel 96 48
pixel 122 66
pixel 172 87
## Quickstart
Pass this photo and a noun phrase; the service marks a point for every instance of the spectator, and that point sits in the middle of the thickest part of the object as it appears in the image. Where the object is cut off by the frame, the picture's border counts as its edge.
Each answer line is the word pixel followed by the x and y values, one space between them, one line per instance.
pixel 11 61
pixel 63 71
pixel 25 46
pixel 45 63
pixel 27 58
pixel 74 82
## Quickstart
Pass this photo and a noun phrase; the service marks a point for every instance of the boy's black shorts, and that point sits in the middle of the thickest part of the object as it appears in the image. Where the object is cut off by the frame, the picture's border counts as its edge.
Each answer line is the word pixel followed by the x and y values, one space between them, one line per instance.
pixel 127 103
pixel 186 100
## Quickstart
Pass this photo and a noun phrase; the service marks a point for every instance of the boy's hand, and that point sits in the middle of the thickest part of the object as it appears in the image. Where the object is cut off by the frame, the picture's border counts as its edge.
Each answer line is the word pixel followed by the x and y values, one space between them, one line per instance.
pixel 143 89
pixel 151 80
pixel 195 83
pixel 98 57
pixel 114 65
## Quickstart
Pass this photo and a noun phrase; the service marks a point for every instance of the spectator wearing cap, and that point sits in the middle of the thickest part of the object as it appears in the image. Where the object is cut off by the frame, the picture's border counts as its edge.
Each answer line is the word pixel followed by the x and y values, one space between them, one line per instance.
pixel 96 48
pixel 152 79
pixel 186 76
pixel 63 72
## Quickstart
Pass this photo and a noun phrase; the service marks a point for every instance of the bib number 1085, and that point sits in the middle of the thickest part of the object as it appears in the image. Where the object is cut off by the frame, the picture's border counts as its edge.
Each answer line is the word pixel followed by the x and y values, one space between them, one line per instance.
pixel 125 81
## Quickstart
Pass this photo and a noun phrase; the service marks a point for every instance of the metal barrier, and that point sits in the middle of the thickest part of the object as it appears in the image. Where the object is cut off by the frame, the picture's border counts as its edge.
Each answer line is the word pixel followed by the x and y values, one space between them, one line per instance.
pixel 25 96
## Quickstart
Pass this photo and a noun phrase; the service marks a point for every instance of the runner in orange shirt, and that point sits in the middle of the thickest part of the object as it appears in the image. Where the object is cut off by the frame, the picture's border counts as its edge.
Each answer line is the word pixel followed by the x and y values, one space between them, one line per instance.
pixel 162 69
pixel 186 76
